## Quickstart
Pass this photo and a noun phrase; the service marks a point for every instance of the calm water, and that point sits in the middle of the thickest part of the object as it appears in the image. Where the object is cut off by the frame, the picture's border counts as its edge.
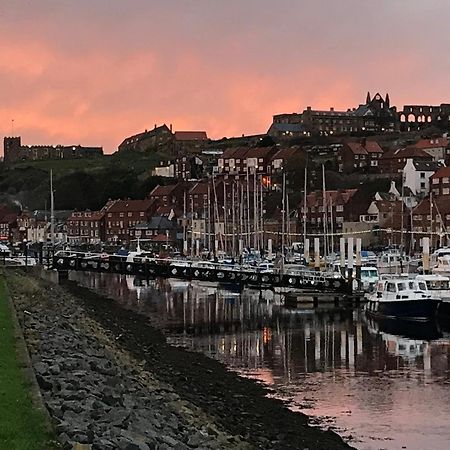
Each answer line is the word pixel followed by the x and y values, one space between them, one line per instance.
pixel 377 386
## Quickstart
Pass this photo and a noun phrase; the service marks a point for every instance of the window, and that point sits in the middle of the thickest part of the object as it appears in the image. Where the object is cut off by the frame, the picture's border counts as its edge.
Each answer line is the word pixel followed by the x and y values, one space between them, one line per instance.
pixel 390 287
pixel 435 180
pixel 446 191
pixel 109 215
pixel 422 174
pixel 121 215
pixel 445 180
pixel 130 214
pixel 422 185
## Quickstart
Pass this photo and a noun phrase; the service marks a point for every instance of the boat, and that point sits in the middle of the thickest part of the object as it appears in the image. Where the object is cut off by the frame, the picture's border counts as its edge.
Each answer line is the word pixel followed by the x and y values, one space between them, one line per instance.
pixel 443 266
pixel 438 286
pixel 402 298
pixel 394 262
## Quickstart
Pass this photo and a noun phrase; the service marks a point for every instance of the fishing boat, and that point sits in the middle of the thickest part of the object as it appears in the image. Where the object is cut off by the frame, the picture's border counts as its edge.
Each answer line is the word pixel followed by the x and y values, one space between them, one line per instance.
pixel 402 298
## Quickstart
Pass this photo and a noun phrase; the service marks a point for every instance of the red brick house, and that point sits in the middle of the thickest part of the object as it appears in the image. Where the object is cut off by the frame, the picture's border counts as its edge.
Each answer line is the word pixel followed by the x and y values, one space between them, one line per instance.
pixel 86 227
pixel 440 182
pixel 431 221
pixel 124 215
pixel 190 141
pixel 337 209
pixel 394 161
pixel 359 156
pixel 171 194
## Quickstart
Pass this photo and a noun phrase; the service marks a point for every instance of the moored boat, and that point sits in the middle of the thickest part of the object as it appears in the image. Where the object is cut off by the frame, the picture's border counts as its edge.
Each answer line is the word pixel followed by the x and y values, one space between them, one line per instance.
pixel 401 298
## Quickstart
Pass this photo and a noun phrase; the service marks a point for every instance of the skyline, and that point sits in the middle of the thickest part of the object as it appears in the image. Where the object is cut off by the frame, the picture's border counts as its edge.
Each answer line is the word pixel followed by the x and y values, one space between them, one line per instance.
pixel 92 74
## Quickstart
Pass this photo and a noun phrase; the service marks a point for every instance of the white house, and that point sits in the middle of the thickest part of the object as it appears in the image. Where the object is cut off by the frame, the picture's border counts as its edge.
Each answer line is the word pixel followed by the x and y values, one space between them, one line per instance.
pixel 416 175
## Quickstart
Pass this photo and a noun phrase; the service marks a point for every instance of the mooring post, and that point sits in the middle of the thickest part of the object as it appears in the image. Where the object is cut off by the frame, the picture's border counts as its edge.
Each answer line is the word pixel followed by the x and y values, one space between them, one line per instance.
pixel 269 248
pixel 426 255
pixel 358 262
pixel 316 254
pixel 350 264
pixel 306 251
pixel 342 255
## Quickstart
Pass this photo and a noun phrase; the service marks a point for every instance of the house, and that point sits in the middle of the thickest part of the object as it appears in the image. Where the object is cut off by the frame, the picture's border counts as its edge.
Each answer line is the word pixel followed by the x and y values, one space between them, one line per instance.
pixel 154 228
pixel 286 130
pixel 86 227
pixel 431 219
pixel 436 147
pixel 416 175
pixel 352 157
pixel 359 156
pixel 190 141
pixel 8 224
pixel 233 161
pixel 440 182
pixel 389 216
pixel 393 161
pixel 280 160
pixel 155 139
pixel 336 210
pixel 123 215
pixel 171 194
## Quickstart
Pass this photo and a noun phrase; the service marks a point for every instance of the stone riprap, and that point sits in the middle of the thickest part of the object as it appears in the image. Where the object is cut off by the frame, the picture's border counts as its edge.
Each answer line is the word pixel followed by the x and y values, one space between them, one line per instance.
pixel 110 381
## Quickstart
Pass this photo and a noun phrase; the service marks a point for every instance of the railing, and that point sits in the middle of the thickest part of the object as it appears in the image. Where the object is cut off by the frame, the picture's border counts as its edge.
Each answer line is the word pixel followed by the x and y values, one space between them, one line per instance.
pixel 65 261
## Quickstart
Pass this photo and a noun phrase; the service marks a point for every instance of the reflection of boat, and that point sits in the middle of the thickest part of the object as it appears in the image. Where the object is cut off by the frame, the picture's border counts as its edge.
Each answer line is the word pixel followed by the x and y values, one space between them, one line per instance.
pixel 178 285
pixel 402 298
pixel 413 330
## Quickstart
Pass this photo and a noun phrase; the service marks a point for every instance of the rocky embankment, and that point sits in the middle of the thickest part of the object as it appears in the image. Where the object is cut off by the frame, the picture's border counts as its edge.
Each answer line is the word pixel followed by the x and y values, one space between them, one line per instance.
pixel 110 381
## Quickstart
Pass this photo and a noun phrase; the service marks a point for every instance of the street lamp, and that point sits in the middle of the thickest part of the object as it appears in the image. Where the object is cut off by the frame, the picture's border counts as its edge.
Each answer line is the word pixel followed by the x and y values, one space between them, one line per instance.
pixel 25 251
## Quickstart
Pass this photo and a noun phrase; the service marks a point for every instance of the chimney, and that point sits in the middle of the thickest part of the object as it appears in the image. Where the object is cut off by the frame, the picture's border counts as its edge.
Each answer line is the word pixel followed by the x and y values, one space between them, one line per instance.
pixel 155 126
pixel 331 109
pixel 170 127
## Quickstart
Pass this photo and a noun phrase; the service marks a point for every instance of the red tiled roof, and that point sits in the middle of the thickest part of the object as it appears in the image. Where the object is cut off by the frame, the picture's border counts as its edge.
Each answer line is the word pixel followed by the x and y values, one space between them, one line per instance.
pixel 200 187
pixel 441 205
pixel 131 205
pixel 160 190
pixel 260 152
pixel 373 147
pixel 284 153
pixel 441 173
pixel 356 148
pixel 388 206
pixel 410 152
pixel 191 136
pixel 431 143
pixel 332 197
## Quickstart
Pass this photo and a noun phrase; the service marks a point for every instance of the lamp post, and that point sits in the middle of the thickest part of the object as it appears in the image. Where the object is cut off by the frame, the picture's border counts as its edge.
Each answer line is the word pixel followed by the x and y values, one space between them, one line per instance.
pixel 25 251
pixel 41 247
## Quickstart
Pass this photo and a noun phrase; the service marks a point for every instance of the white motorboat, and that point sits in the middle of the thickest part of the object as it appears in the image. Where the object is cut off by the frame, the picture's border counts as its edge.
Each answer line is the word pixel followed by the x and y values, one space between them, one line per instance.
pixel 402 298
pixel 394 262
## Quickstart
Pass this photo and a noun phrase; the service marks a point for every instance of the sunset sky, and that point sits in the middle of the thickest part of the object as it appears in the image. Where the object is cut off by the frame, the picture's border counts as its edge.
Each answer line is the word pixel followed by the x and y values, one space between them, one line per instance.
pixel 95 71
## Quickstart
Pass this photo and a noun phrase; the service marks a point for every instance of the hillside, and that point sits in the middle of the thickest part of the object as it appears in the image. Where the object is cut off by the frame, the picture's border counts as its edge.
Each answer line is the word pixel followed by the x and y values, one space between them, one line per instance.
pixel 79 183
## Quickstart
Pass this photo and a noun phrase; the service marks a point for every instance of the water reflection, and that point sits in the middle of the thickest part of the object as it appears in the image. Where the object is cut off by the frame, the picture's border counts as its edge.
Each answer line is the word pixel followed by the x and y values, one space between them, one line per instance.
pixel 380 385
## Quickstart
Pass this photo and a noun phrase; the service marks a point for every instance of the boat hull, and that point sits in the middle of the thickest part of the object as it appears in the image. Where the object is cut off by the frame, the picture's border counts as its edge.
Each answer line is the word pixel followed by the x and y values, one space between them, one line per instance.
pixel 417 309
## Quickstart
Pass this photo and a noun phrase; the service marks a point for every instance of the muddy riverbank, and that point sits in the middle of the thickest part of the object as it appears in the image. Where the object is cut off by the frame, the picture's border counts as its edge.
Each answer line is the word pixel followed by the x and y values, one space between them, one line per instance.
pixel 110 379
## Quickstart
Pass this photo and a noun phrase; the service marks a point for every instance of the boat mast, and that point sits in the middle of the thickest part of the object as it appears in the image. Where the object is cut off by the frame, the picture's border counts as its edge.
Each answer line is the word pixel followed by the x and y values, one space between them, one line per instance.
pixel 324 201
pixel 52 211
pixel 283 210
pixel 304 209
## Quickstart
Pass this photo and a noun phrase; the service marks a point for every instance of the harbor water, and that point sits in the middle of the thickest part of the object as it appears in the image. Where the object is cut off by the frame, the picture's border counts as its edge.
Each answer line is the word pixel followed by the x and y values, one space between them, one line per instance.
pixel 378 385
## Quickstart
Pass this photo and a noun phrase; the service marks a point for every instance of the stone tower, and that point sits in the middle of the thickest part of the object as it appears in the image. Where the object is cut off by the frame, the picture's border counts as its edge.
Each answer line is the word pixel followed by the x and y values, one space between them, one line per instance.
pixel 11 149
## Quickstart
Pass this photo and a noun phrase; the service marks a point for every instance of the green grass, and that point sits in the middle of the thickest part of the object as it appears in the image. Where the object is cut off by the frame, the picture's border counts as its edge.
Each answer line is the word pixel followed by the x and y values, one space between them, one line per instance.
pixel 21 425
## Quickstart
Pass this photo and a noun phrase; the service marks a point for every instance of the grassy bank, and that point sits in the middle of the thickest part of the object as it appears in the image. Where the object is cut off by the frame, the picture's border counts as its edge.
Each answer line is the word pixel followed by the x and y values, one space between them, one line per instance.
pixel 21 426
